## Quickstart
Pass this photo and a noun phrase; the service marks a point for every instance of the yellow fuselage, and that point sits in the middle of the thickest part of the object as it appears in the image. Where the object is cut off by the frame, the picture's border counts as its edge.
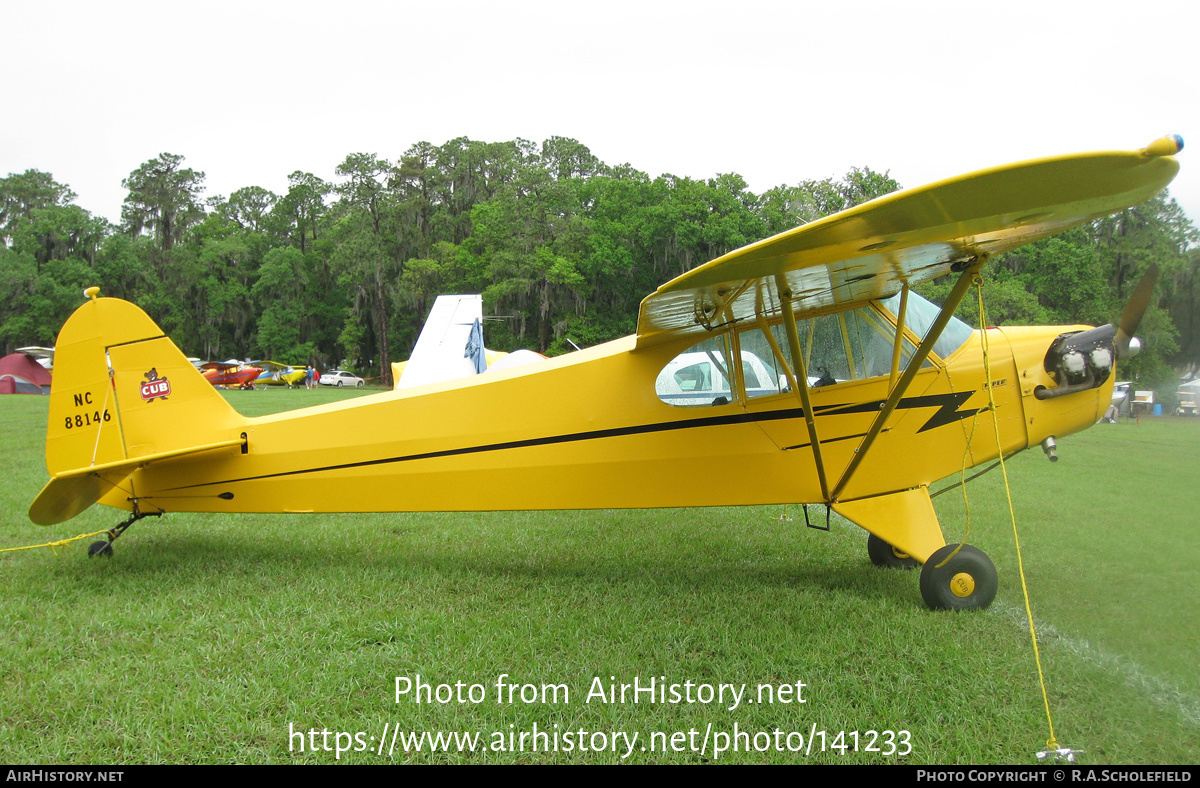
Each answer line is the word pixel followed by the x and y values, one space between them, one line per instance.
pixel 587 430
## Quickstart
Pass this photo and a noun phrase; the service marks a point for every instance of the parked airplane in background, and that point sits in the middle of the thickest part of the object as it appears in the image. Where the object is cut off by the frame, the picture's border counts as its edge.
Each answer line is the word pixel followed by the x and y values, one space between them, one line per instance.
pixel 43 355
pixel 230 374
pixel 863 394
pixel 276 374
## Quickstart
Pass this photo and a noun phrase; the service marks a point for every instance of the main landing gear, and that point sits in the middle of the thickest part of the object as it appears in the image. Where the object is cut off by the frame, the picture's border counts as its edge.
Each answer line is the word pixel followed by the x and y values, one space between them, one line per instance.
pixel 105 548
pixel 954 578
pixel 884 555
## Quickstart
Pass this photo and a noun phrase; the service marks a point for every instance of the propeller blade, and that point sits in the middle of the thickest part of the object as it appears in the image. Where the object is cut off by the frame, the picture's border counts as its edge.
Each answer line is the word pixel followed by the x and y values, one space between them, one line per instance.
pixel 1134 311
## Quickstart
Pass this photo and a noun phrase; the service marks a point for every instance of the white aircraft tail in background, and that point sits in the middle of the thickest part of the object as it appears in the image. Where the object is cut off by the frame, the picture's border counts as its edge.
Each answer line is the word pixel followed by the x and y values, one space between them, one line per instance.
pixel 442 351
pixel 451 346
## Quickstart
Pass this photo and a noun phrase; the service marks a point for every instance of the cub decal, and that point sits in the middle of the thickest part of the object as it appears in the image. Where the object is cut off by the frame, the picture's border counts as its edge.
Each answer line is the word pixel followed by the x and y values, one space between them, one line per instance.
pixel 155 387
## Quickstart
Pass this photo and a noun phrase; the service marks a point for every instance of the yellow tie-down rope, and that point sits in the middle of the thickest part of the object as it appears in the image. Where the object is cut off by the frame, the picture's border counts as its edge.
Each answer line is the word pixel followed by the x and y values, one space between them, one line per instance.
pixel 54 545
pixel 1052 748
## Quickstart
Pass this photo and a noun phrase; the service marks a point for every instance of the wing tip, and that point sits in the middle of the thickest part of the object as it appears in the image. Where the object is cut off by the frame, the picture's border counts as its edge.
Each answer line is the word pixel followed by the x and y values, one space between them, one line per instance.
pixel 1164 146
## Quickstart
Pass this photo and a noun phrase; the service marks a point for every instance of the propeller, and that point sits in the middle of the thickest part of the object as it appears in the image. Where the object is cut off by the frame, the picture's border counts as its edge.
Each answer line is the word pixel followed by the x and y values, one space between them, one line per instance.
pixel 1134 310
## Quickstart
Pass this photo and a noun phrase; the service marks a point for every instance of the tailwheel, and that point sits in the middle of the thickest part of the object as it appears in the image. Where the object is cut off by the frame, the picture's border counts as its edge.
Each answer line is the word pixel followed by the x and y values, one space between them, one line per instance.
pixel 106 548
pixel 885 555
pixel 967 581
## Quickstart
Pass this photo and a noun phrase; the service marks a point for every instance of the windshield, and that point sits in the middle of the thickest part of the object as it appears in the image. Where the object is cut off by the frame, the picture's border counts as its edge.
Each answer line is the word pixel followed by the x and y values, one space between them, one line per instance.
pixel 919 316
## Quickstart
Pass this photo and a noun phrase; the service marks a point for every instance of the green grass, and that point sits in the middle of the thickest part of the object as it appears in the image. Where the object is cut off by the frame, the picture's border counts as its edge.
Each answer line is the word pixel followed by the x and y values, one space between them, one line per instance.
pixel 205 637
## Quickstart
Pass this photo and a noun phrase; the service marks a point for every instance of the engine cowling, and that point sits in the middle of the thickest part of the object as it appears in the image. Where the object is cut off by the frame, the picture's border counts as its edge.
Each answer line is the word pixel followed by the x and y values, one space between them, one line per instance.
pixel 1079 361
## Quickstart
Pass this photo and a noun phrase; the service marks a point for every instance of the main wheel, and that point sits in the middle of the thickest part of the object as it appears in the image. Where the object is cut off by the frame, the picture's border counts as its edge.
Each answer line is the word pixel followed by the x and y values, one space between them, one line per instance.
pixel 100 548
pixel 884 555
pixel 967 581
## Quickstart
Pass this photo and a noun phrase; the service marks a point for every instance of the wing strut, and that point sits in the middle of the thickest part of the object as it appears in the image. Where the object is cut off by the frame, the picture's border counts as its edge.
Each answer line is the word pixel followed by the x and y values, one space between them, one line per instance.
pixel 899 336
pixel 910 372
pixel 799 380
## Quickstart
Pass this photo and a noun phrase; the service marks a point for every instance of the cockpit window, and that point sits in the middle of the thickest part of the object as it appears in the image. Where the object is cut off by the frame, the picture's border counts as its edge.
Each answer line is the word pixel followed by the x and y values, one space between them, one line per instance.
pixel 850 345
pixel 854 344
pixel 761 371
pixel 699 376
pixel 919 316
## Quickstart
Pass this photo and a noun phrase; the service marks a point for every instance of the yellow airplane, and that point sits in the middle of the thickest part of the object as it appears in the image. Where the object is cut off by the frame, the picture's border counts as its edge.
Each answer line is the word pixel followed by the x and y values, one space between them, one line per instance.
pixel 799 369
pixel 276 374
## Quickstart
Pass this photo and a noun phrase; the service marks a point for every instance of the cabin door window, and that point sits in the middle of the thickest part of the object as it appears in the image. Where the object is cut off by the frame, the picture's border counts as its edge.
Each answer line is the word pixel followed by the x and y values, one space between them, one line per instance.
pixel 698 377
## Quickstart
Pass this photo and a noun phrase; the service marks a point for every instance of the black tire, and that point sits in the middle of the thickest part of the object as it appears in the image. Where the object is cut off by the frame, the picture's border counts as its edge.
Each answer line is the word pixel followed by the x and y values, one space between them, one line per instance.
pixel 884 555
pixel 100 548
pixel 339 384
pixel 359 384
pixel 968 581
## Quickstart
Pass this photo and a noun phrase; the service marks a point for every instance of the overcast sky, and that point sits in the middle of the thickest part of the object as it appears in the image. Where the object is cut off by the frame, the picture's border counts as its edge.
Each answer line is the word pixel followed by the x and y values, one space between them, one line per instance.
pixel 778 92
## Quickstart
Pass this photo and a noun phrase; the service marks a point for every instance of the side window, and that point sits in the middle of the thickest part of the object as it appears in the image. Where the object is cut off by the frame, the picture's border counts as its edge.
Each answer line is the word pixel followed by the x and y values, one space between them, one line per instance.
pixel 698 377
pixel 872 341
pixel 761 371
pixel 850 345
pixel 825 350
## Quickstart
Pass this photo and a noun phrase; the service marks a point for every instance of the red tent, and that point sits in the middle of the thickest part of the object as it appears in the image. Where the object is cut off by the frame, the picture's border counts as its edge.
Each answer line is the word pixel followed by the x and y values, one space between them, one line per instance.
pixel 21 374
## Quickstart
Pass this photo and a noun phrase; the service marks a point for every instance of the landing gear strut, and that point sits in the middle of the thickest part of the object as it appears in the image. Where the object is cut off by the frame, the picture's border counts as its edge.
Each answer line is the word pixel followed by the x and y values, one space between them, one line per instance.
pixel 105 548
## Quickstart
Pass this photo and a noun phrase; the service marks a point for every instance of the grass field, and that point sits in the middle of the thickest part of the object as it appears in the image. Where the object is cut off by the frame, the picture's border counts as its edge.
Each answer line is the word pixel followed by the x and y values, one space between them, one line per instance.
pixel 211 640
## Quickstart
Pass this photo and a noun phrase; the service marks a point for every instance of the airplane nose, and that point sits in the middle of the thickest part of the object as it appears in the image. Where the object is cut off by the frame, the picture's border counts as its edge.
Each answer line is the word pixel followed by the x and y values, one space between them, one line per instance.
pixel 1079 361
pixel 1084 360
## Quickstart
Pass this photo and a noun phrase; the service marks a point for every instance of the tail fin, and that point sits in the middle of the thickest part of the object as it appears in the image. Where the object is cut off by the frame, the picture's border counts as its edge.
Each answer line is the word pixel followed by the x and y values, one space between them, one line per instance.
pixel 122 395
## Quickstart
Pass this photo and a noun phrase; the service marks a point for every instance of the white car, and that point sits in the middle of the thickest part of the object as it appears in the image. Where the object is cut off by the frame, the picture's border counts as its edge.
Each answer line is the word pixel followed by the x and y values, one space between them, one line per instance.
pixel 339 378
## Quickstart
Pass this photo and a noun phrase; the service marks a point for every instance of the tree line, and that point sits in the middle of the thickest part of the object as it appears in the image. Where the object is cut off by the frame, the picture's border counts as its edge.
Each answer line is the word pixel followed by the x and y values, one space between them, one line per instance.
pixel 562 246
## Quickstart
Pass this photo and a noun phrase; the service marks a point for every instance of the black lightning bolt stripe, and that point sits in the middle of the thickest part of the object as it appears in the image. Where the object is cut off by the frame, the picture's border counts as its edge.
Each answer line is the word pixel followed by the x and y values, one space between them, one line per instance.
pixel 947 405
pixel 947 413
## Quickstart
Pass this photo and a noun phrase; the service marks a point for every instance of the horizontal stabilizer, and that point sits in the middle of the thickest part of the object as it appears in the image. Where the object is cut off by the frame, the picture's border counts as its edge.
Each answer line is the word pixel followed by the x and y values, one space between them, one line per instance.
pixel 62 499
pixel 70 492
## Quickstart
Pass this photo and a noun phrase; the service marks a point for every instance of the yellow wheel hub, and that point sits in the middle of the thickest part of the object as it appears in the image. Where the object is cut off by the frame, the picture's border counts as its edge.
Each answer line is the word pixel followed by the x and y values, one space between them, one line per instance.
pixel 962 585
pixel 900 554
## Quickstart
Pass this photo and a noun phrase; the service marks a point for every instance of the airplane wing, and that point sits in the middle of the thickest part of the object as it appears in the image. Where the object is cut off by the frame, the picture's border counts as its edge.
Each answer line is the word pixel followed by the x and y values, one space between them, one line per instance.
pixel 441 350
pixel 43 355
pixel 873 250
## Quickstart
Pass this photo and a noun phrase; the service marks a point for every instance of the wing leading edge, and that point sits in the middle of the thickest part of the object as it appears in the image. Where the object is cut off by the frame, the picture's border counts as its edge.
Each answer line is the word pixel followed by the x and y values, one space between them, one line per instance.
pixel 872 250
